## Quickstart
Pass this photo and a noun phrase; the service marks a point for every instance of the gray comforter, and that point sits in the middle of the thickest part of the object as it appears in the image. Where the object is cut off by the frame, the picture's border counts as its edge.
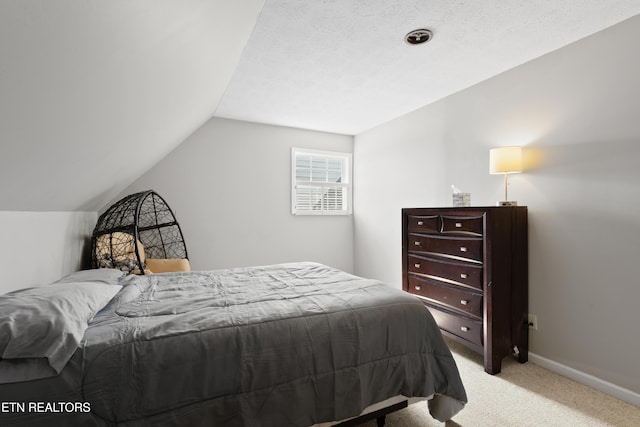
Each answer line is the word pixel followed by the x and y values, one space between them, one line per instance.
pixel 283 345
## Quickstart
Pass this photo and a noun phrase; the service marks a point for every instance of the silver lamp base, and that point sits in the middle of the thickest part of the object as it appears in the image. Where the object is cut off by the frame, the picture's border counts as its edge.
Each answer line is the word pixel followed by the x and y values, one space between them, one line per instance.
pixel 507 203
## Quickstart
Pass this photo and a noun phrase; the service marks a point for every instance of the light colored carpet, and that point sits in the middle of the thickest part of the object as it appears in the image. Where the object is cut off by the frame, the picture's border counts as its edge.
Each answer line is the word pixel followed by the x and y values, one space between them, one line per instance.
pixel 523 395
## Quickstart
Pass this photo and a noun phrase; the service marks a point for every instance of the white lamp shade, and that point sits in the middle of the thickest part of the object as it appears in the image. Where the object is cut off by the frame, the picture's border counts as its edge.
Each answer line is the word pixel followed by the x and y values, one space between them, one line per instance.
pixel 505 160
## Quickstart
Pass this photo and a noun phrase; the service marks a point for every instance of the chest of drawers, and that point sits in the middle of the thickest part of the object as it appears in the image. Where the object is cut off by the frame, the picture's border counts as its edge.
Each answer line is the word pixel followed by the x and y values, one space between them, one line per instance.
pixel 469 266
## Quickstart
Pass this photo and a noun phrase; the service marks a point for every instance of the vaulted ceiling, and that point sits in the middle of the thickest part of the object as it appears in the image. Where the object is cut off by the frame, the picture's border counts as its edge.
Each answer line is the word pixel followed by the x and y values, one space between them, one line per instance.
pixel 95 92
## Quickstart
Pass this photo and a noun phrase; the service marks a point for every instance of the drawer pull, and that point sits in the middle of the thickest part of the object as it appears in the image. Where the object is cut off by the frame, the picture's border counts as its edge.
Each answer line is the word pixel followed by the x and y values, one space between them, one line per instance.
pixel 464 328
pixel 464 302
pixel 417 243
pixel 416 265
pixel 463 275
pixel 417 288
pixel 463 249
pixel 458 225
pixel 420 223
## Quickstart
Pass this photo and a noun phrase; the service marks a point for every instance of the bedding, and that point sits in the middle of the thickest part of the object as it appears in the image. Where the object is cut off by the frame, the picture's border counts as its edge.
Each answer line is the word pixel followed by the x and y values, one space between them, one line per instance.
pixel 284 345
pixel 41 327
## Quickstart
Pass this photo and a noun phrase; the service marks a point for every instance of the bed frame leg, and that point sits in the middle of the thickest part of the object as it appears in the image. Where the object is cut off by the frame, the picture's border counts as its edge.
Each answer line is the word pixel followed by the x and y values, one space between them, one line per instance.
pixel 380 416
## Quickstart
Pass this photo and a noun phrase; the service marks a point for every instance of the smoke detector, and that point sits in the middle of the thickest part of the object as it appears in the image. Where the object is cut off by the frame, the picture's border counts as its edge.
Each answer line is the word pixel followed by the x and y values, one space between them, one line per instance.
pixel 419 36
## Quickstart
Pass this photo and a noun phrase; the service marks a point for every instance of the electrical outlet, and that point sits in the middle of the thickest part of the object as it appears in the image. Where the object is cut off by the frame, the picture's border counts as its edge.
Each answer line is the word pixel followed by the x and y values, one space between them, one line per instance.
pixel 533 322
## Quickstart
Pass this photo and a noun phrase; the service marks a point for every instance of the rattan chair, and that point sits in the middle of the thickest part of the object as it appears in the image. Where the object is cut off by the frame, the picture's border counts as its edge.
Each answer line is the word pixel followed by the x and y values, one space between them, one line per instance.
pixel 135 229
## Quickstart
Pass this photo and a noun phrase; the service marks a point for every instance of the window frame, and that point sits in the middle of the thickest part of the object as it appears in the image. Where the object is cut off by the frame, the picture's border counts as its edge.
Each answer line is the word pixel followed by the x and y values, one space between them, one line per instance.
pixel 347 159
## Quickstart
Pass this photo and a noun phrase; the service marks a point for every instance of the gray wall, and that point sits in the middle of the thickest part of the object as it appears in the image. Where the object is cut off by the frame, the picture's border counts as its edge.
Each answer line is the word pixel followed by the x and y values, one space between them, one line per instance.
pixel 41 247
pixel 577 112
pixel 229 185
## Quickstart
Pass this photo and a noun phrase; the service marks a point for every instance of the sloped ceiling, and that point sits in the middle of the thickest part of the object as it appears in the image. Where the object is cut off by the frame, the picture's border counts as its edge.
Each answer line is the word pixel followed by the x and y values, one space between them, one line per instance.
pixel 95 92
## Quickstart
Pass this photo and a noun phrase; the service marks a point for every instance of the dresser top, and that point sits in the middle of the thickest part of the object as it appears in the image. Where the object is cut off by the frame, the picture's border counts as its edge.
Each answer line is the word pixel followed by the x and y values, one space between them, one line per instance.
pixel 484 208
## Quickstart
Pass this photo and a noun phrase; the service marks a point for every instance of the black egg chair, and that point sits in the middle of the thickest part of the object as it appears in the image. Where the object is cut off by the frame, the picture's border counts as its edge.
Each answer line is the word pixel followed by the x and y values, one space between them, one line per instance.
pixel 137 227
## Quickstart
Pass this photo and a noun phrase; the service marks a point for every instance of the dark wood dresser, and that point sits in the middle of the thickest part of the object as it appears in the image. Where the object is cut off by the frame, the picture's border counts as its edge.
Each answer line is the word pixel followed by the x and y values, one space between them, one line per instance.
pixel 470 268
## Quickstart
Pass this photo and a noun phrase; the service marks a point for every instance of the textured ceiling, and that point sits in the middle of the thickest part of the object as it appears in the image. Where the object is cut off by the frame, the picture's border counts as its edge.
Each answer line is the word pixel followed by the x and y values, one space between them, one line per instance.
pixel 342 66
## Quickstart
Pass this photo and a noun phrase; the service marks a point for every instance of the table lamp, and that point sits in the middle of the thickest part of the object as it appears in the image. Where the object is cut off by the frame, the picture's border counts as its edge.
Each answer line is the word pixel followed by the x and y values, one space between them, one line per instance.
pixel 505 160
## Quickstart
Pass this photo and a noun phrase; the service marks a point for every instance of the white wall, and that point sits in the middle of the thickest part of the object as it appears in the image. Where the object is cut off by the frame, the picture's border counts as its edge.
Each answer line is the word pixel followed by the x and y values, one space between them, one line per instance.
pixel 577 111
pixel 40 247
pixel 94 93
pixel 229 185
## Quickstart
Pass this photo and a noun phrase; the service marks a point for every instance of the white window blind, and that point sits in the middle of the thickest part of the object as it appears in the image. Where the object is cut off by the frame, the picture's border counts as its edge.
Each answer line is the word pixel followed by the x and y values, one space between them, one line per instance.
pixel 320 182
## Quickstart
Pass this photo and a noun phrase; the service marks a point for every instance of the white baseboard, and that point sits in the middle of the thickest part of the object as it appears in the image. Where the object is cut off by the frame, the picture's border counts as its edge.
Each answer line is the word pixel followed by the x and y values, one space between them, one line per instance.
pixel 586 379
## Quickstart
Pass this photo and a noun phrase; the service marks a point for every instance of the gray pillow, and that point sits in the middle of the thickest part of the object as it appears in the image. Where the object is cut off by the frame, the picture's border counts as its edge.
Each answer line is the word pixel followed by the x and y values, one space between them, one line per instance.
pixel 110 276
pixel 49 321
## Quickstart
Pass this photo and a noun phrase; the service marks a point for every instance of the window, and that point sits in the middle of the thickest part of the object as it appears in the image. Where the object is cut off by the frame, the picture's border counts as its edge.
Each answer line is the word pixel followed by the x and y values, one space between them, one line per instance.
pixel 320 182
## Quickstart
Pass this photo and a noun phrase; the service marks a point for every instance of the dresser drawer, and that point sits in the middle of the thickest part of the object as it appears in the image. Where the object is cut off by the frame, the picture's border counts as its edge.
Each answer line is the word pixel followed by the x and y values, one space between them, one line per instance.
pixel 463 327
pixel 461 273
pixel 451 297
pixel 466 248
pixel 463 224
pixel 423 223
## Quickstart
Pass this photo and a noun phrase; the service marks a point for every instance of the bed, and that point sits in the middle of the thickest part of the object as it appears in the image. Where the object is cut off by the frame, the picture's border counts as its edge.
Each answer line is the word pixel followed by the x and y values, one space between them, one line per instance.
pixel 295 344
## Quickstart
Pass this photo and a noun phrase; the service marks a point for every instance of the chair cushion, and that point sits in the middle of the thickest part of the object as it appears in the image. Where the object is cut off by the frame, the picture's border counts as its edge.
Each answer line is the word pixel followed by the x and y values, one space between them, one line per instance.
pixel 161 265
